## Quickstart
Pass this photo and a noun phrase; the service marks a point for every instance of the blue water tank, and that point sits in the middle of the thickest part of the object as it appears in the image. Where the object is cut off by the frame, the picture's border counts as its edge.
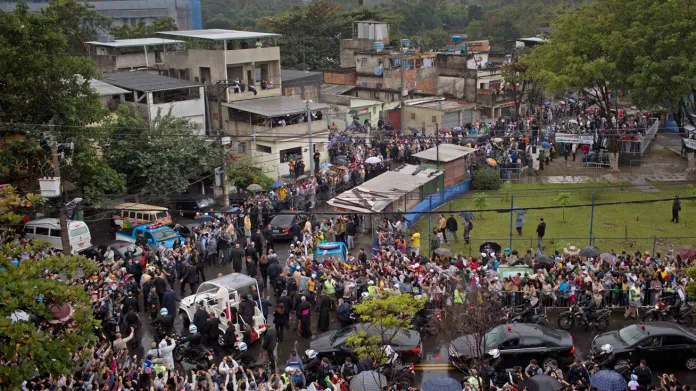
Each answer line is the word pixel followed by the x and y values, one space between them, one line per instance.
pixel 463 48
pixel 450 48
pixel 379 46
pixel 457 39
pixel 405 42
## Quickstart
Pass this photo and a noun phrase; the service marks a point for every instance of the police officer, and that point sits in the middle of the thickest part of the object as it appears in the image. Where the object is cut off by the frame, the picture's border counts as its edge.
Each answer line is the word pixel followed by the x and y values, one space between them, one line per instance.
pixel 166 321
pixel 554 371
pixel 577 373
pixel 496 361
pixel 644 374
pixel 488 375
pixel 605 358
pixel 312 365
pixel 533 369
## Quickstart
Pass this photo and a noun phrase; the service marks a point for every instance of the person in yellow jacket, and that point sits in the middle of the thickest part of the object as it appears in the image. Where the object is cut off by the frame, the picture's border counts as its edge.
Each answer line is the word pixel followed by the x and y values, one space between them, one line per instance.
pixel 247 226
pixel 459 296
pixel 415 242
pixel 282 193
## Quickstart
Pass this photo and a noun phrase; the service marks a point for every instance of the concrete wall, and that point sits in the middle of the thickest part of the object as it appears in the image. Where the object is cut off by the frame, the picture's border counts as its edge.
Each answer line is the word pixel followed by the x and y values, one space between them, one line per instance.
pixel 135 60
pixel 347 79
pixel 421 79
pixel 343 100
pixel 348 48
pixel 419 117
pixel 270 162
pixel 245 129
pixel 456 87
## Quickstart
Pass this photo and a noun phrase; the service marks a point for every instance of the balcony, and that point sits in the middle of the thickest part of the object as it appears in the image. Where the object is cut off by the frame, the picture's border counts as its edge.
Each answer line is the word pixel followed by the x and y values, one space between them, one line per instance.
pixel 491 98
pixel 237 96
pixel 276 134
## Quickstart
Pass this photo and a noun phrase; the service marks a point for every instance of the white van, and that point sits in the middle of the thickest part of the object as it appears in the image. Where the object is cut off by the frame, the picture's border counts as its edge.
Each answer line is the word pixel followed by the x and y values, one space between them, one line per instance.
pixel 48 230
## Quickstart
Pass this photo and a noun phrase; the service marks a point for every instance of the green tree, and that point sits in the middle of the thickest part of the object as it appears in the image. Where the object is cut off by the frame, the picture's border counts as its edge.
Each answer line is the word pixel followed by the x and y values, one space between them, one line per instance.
pixel 33 287
pixel 481 202
pixel 142 29
pixel 92 174
pixel 382 317
pixel 160 157
pixel 563 199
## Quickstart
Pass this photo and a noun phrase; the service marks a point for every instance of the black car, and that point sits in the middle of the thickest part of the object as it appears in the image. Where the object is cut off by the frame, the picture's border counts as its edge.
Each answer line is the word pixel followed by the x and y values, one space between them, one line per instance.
pixel 281 224
pixel 661 344
pixel 333 344
pixel 518 344
pixel 190 206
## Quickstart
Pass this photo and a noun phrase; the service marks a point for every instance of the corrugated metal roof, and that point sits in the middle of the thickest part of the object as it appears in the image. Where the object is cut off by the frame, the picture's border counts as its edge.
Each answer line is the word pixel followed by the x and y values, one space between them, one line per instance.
pixel 376 194
pixel 105 89
pixel 448 152
pixel 127 43
pixel 219 34
pixel 335 89
pixel 275 106
pixel 146 82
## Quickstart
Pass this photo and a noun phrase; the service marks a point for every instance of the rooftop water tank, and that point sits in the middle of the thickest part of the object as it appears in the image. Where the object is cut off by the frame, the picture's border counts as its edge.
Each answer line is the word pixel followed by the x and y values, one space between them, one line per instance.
pixel 379 46
pixel 405 42
pixel 457 39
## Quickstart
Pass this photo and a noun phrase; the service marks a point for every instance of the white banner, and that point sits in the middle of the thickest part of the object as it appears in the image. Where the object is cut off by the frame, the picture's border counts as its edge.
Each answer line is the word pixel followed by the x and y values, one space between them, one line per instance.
pixel 574 138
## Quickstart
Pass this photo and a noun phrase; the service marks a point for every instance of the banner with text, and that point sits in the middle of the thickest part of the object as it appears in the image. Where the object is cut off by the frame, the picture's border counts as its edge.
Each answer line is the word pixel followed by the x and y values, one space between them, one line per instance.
pixel 574 138
pixel 690 143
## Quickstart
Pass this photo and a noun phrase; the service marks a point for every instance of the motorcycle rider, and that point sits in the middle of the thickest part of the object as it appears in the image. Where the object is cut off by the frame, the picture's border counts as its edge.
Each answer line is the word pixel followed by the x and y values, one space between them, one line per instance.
pixel 194 338
pixel 588 308
pixel 166 321
pixel 678 298
pixel 496 362
pixel 531 303
pixel 243 356
pixel 605 357
pixel 311 365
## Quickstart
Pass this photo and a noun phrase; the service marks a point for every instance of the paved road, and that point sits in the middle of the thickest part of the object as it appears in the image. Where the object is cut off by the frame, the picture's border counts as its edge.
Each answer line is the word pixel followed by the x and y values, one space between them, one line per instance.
pixel 435 359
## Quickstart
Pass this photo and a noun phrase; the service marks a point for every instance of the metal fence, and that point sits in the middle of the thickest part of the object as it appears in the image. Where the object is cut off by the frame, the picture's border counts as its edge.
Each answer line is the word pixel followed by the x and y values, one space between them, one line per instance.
pixel 612 298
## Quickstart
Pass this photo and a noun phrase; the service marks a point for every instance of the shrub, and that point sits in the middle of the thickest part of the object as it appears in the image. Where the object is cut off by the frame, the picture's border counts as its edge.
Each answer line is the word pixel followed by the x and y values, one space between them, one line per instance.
pixel 486 179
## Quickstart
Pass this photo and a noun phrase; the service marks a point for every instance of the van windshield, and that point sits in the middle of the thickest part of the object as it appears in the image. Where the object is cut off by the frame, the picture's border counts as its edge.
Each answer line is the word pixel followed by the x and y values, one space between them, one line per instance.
pixel 161 215
pixel 79 231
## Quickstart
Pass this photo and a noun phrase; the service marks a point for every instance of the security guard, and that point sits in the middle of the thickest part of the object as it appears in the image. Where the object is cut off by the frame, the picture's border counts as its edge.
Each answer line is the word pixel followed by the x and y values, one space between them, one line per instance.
pixel 371 288
pixel 459 296
pixel 644 374
pixel 577 373
pixel 633 301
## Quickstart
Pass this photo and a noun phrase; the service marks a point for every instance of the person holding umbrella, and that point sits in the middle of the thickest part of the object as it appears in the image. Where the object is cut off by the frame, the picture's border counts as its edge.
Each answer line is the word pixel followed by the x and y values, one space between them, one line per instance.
pixel 519 223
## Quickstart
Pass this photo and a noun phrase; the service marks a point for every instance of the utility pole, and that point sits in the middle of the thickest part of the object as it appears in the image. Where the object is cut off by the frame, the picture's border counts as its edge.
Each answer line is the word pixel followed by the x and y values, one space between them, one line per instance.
pixel 401 92
pixel 64 235
pixel 309 135
pixel 223 177
pixel 437 143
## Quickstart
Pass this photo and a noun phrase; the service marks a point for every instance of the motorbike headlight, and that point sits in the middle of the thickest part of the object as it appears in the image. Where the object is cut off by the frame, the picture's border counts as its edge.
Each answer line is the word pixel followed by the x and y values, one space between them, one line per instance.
pixel 657 306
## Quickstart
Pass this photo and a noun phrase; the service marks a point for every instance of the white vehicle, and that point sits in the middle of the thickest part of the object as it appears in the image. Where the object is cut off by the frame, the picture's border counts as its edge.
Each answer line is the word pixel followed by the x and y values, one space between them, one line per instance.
pixel 220 296
pixel 48 230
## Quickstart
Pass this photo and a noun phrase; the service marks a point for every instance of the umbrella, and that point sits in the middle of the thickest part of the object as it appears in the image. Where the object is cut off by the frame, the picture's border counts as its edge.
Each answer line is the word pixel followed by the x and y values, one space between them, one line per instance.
pixel 687 254
pixel 441 384
pixel 491 162
pixel 571 250
pixel 589 252
pixel 372 160
pixel 519 210
pixel 61 312
pixel 341 160
pixel 254 187
pixel 606 257
pixel 546 144
pixel 368 381
pixel 606 380
pixel 301 177
pixel 497 140
pixel 467 215
pixel 351 127
pixel 204 219
pixel 443 251
pixel 562 102
pixel 490 246
pixel 277 184
pixel 571 100
pixel 545 259
pixel 573 121
pixel 543 383
pixel 457 129
pixel 325 165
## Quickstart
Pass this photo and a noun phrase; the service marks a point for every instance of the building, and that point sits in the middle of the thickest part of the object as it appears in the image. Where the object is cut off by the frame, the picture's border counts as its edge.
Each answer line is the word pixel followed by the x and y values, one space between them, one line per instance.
pixel 530 41
pixel 365 34
pixel 186 13
pixel 152 95
pixel 110 96
pixel 455 160
pixel 381 69
pixel 129 54
pixel 302 84
pixel 431 113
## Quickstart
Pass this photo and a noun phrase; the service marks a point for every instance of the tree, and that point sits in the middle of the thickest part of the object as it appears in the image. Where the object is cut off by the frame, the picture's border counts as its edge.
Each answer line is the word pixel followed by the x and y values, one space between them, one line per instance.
pixel 481 202
pixel 474 319
pixel 37 287
pixel 563 199
pixel 92 174
pixel 159 157
pixel 385 316
pixel 142 29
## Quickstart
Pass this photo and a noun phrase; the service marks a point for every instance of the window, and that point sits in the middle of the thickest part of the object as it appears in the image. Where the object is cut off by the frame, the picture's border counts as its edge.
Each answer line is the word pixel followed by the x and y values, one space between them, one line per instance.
pixel 79 231
pixel 29 230
pixel 139 216
pixel 671 340
pixel 263 148
pixel 434 119
pixel 131 214
pixel 413 115
pixel 509 344
pixel 42 231
pixel 531 343
pixel 55 233
pixel 363 62
pixel 241 147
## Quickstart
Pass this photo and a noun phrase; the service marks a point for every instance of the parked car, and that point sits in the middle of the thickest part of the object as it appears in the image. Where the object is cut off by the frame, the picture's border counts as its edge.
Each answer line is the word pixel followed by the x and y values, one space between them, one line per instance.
pixel 155 234
pixel 281 223
pixel 333 344
pixel 189 207
pixel 518 344
pixel 661 344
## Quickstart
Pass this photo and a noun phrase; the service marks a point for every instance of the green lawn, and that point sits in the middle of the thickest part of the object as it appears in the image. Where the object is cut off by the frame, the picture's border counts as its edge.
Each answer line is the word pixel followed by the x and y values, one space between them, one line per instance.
pixel 627 227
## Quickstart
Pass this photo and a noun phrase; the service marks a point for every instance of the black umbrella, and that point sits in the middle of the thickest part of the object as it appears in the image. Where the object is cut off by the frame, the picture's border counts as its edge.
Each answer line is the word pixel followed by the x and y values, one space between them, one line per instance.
pixel 590 252
pixel 495 247
pixel 467 215
pixel 545 259
pixel 543 383
pixel 368 381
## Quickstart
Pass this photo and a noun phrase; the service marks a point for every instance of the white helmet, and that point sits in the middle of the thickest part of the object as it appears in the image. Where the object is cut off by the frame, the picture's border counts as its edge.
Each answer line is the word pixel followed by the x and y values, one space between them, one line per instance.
pixel 242 346
pixel 193 329
pixel 311 353
pixel 495 353
pixel 607 348
pixel 370 282
pixel 365 295
pixel 164 312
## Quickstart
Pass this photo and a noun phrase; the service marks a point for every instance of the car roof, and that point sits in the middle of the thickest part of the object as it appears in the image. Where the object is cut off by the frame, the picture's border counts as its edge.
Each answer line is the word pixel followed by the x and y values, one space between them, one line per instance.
pixel 665 328
pixel 140 207
pixel 232 281
pixel 529 330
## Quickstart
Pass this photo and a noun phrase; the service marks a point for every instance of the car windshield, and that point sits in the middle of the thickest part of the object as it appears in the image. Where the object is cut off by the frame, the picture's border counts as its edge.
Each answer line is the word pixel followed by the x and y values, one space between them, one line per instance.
pixel 164 234
pixel 631 334
pixel 493 339
pixel 342 333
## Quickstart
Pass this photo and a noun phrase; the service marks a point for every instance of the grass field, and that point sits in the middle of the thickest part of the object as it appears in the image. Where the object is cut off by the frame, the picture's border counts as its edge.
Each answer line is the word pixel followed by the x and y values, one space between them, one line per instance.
pixel 628 227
